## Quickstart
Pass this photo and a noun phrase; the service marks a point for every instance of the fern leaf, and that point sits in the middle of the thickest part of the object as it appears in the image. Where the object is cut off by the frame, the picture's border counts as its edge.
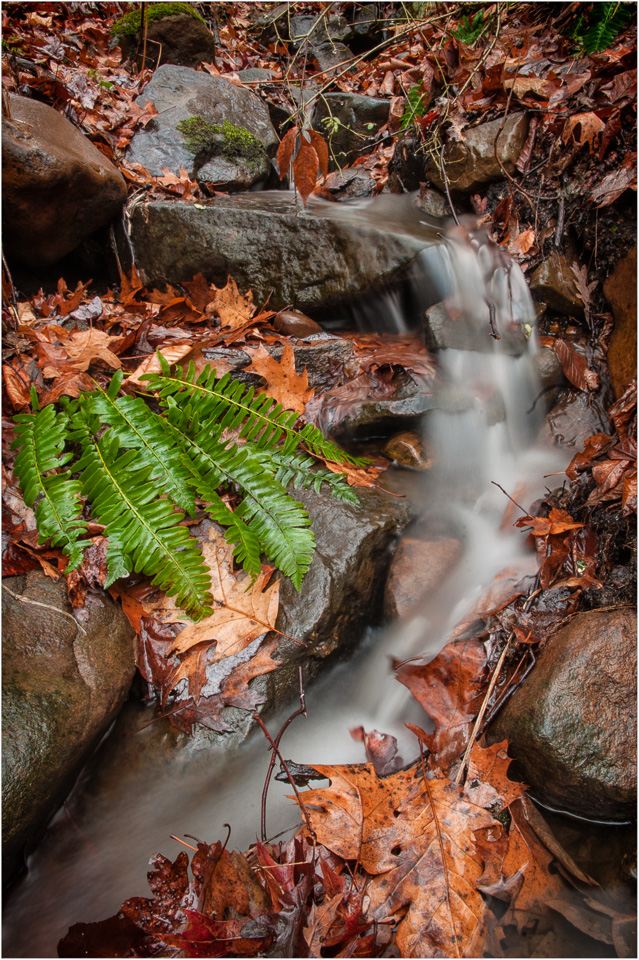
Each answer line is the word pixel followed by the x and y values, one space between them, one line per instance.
pixel 259 418
pixel 303 472
pixel 40 439
pixel 606 21
pixel 136 426
pixel 143 532
pixel 278 521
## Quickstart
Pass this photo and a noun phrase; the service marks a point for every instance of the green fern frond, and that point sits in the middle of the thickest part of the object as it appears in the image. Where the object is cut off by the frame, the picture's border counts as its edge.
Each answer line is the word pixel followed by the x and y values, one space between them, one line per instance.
pixel 278 521
pixel 40 439
pixel 259 418
pixel 605 21
pixel 133 424
pixel 302 472
pixel 142 531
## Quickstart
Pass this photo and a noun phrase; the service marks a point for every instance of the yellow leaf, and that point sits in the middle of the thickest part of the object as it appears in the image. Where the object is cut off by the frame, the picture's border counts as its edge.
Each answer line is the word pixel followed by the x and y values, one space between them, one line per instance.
pixel 233 308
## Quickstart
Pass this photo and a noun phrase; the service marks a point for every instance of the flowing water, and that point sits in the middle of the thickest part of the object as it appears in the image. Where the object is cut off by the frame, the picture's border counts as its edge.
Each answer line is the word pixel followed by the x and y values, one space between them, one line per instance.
pixel 140 789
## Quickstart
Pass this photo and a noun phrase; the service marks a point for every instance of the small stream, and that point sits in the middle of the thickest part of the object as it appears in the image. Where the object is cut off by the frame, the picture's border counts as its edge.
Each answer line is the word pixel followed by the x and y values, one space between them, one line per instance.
pixel 141 787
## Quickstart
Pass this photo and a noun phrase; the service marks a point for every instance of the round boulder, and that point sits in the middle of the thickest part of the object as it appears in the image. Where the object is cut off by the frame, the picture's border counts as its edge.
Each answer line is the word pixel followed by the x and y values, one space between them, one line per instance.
pixel 58 188
pixel 572 723
pixel 63 682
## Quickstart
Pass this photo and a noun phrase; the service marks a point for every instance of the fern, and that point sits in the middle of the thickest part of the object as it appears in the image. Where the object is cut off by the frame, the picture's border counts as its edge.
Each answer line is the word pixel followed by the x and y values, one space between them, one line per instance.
pixel 140 471
pixel 604 22
pixel 41 439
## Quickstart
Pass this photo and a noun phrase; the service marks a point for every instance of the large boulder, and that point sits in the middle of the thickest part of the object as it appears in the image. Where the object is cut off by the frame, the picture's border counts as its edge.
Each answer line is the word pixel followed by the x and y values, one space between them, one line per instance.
pixel 268 244
pixel 621 292
pixel 472 161
pixel 63 682
pixel 572 724
pixel 219 132
pixel 57 187
pixel 357 119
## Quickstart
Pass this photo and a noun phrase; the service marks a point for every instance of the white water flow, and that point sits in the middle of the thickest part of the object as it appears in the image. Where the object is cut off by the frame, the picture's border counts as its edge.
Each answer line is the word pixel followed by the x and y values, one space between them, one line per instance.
pixel 140 789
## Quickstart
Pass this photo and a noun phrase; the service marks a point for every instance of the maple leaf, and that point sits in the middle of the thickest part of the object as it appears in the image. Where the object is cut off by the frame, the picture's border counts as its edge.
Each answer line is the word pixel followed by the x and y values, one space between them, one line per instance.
pixel 233 308
pixel 283 382
pixel 240 616
pixel 415 837
pixel 308 152
pixel 85 346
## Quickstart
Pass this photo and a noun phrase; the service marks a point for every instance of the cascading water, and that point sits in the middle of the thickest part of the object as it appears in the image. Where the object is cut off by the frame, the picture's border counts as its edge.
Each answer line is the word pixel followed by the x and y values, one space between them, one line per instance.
pixel 129 802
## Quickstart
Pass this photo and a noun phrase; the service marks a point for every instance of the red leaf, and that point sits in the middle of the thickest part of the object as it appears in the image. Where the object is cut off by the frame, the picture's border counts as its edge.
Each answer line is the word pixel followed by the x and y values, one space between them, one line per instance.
pixel 285 151
pixel 305 168
pixel 575 366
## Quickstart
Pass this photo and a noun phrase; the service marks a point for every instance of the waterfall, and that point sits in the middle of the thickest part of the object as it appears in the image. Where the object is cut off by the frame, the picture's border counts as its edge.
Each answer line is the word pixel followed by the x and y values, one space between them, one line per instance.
pixel 482 432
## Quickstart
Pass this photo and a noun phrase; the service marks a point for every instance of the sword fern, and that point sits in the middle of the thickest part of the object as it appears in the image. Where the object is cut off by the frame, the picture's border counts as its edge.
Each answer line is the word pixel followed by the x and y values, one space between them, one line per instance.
pixel 141 471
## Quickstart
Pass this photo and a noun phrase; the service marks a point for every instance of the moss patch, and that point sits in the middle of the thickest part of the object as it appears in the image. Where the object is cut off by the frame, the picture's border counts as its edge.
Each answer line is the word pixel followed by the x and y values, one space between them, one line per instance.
pixel 130 23
pixel 226 138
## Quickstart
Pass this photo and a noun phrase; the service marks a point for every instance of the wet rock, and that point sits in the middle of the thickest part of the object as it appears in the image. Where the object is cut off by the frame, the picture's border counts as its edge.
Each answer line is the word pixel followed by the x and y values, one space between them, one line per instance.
pixel 369 407
pixel 318 30
pixel 366 20
pixel 573 419
pixel 553 283
pixel 227 136
pixel 471 163
pixel 548 368
pixel 179 39
pixel 323 357
pixel 342 592
pixel 407 450
pixel 58 188
pixel 572 723
pixel 294 323
pixel 406 166
pixel 433 202
pixel 269 246
pixel 621 292
pixel 419 567
pixel 355 113
pixel 62 685
pixel 446 328
pixel 348 184
pixel 331 57
pixel 255 75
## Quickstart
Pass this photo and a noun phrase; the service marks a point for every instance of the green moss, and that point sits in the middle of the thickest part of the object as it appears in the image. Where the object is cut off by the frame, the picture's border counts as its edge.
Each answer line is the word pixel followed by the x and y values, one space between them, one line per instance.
pixel 130 23
pixel 226 138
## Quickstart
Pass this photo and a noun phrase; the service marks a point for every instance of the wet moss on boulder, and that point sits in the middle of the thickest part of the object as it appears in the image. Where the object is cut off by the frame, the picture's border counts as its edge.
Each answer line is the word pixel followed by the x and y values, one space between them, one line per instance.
pixel 130 24
pixel 232 141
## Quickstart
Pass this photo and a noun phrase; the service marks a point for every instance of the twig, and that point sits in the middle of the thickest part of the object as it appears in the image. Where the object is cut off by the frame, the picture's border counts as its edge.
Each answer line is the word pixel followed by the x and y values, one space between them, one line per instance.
pixel 507 694
pixel 445 176
pixel 145 15
pixel 525 512
pixel 45 606
pixel 301 710
pixel 480 716
pixel 298 795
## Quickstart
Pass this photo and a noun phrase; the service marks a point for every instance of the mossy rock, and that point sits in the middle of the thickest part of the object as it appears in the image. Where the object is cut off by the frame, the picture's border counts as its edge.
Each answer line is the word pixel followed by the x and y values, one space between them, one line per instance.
pixel 225 138
pixel 130 24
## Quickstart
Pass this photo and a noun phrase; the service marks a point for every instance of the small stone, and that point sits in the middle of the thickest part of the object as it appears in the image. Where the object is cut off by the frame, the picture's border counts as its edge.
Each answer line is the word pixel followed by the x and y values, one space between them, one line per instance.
pixel 406 449
pixel 573 419
pixel 621 292
pixel 419 567
pixel 359 119
pixel 179 39
pixel 553 283
pixel 294 323
pixel 548 368
pixel 57 187
pixel 572 726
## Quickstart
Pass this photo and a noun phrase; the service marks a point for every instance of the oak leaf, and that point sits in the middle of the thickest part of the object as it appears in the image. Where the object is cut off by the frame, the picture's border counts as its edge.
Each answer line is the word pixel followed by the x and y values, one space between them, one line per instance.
pixel 415 837
pixel 283 382
pixel 487 781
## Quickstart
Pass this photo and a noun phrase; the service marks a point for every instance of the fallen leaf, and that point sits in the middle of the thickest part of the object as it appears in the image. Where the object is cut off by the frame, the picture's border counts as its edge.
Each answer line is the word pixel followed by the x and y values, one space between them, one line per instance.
pixel 85 346
pixel 283 382
pixel 487 782
pixel 613 184
pixel 583 128
pixel 233 308
pixel 558 521
pixel 575 366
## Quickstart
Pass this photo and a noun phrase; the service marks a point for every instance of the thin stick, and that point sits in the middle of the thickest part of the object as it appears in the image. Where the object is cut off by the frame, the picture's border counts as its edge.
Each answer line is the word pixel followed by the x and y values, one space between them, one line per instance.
pixel 445 176
pixel 300 710
pixel 298 795
pixel 145 14
pixel 525 512
pixel 480 715
pixel 45 606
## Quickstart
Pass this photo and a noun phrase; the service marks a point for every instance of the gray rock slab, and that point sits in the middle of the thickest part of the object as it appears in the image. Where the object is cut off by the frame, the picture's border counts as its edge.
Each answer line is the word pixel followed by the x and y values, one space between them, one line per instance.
pixel 471 162
pixel 270 244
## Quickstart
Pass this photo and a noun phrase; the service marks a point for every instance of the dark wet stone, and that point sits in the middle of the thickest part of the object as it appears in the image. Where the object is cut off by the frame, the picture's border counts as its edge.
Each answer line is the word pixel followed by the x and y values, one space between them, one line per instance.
pixel 572 723
pixel 471 163
pixel 574 417
pixel 553 283
pixel 57 187
pixel 61 689
pixel 548 368
pixel 353 137
pixel 323 358
pixel 443 331
pixel 178 39
pixel 294 323
pixel 349 184
pixel 407 450
pixel 255 74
